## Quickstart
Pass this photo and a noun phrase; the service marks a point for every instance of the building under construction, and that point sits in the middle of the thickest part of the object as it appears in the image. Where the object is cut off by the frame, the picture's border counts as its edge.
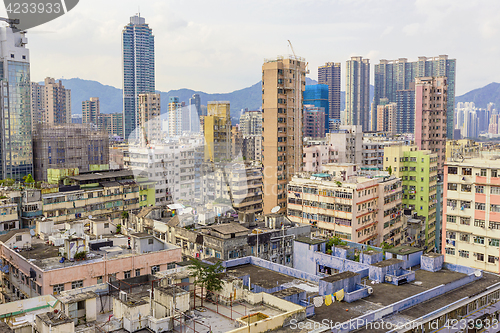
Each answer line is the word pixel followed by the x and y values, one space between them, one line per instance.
pixel 65 146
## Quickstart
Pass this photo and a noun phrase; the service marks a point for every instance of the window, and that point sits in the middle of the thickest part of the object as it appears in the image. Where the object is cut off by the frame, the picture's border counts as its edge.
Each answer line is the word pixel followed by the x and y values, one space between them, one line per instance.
pixel 452 170
pixel 483 172
pixel 451 219
pixel 479 256
pixel 479 223
pixel 463 253
pixel 491 259
pixel 479 189
pixel 464 237
pixel 452 187
pixel 450 250
pixel 494 173
pixel 495 208
pixel 19 238
pixel 80 305
pixel 126 274
pixel 451 235
pixel 480 206
pixel 465 220
pixel 464 204
pixel 494 225
pixel 494 242
pixel 495 190
pixel 99 279
pixel 106 225
pixel 58 288
pixel 155 269
pixel 77 284
pixel 466 171
pixel 466 187
pixel 478 240
pixel 138 272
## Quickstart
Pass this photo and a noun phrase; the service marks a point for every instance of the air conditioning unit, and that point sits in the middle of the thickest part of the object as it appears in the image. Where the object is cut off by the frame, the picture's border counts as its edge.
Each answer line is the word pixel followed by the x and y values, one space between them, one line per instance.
pixel 123 296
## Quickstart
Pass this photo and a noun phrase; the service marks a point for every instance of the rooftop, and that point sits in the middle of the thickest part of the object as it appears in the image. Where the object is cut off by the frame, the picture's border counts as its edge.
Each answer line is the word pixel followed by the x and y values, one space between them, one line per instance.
pixel 388 262
pixel 54 319
pixel 404 249
pixel 103 175
pixel 310 241
pixel 12 233
pixel 73 298
pixel 260 276
pixel 287 292
pixel 228 228
pixel 339 276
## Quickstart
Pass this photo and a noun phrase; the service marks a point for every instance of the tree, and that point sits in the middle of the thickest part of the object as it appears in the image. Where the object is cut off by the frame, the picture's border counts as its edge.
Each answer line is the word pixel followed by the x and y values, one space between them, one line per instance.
pixel 124 214
pixel 28 179
pixel 389 169
pixel 207 276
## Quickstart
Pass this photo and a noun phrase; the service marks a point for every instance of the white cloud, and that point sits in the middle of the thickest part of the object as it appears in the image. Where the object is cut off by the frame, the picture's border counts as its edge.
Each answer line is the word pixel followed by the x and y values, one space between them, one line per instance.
pixel 219 45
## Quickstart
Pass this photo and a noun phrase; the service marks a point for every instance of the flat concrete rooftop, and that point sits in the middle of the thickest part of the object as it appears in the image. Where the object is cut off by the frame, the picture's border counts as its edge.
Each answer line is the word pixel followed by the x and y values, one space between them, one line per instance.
pixel 262 277
pixel 385 294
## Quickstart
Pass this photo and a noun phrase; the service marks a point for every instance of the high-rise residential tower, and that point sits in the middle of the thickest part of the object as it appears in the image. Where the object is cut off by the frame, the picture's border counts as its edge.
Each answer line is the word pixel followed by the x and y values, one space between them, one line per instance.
pixel 217 132
pixel 393 77
pixel 174 116
pixel 91 111
pixel 329 74
pixel 138 70
pixel 283 84
pixel 358 92
pixel 431 98
pixel 50 103
pixel 16 150
pixel 149 118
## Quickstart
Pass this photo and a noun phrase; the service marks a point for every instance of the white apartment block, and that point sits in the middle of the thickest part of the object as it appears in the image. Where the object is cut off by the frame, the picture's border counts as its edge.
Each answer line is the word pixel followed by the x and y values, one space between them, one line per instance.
pixel 171 165
pixel 348 140
pixel 471 213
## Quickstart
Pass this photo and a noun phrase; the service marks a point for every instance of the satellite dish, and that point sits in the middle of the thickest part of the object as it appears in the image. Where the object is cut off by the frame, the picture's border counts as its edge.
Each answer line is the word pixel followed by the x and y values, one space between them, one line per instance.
pixel 32 232
pixel 90 217
pixel 275 209
pixel 478 273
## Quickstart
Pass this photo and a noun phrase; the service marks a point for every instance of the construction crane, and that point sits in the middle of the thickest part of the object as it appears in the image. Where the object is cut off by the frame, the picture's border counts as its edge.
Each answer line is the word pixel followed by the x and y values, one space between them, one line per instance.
pixel 295 56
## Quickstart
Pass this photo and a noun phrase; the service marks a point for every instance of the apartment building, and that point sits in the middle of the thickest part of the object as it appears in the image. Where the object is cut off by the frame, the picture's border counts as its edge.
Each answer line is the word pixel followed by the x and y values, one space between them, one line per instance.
pixel 318 153
pixel 418 171
pixel 339 203
pixel 33 267
pixel 63 146
pixel 50 103
pixel 149 111
pixel 348 140
pixel 91 111
pixel 217 132
pixel 471 215
pixel 245 185
pixel 283 84
pixel 431 102
pixel 103 193
pixel 171 166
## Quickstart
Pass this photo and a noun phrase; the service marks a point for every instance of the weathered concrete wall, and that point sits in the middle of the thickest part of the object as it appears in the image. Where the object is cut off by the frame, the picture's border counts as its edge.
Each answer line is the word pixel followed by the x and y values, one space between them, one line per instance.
pixel 432 264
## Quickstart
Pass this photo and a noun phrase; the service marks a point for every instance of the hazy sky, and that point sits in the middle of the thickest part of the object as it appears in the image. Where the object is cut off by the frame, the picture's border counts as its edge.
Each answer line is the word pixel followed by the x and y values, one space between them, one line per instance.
pixel 219 46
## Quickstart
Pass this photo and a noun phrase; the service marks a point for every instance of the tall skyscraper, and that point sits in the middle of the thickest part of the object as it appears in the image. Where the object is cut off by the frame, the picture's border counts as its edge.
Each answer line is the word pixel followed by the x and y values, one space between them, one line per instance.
pixel 283 85
pixel 430 116
pixel 138 70
pixel 358 92
pixel 16 150
pixel 50 103
pixel 91 111
pixel 329 74
pixel 318 95
pixel 393 76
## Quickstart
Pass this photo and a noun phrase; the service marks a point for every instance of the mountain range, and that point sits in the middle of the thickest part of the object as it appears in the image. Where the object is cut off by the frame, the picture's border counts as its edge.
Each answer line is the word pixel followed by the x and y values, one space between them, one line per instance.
pixel 250 97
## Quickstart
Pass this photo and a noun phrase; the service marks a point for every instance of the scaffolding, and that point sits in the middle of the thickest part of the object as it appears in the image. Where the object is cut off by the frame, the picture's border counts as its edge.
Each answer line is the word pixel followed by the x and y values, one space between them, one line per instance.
pixel 68 146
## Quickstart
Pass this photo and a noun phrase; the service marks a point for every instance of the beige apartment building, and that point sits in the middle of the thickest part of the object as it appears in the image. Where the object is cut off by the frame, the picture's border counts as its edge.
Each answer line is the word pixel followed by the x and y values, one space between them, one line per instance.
pixel 149 118
pixel 471 214
pixel 339 203
pixel 283 83
pixel 50 103
pixel 431 98
pixel 91 111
